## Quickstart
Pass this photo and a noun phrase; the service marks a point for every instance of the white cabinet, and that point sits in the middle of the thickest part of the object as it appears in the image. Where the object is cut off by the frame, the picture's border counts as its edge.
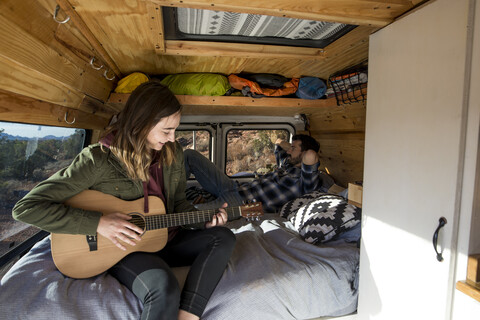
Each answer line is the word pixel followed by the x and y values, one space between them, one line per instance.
pixel 418 132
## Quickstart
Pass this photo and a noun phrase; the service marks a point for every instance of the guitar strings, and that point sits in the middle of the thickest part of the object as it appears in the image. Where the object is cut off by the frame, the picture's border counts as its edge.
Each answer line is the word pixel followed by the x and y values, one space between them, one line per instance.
pixel 176 219
pixel 160 221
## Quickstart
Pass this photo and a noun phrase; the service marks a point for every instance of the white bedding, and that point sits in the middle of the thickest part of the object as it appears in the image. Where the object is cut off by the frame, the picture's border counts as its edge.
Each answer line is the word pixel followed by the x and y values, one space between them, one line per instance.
pixel 272 274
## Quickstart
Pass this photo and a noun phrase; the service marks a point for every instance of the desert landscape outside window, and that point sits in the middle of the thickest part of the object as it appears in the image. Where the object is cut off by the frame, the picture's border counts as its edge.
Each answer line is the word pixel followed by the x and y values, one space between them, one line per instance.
pixel 251 152
pixel 195 139
pixel 29 154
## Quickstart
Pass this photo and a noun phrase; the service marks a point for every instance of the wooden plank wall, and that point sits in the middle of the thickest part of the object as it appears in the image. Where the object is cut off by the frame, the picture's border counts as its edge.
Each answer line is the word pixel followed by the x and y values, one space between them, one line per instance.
pixel 341 133
pixel 341 155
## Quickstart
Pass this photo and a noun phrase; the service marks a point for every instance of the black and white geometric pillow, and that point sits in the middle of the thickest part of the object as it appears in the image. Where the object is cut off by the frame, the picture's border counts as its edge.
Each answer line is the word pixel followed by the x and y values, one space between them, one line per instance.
pixel 318 217
pixel 326 224
pixel 292 206
pixel 296 210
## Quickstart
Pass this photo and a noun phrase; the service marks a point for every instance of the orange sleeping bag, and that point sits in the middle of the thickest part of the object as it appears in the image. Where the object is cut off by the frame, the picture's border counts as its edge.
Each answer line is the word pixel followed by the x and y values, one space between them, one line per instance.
pixel 238 83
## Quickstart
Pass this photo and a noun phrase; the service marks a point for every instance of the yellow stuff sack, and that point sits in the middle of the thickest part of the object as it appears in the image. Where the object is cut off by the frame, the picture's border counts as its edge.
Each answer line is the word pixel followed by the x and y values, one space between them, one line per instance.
pixel 131 82
pixel 198 84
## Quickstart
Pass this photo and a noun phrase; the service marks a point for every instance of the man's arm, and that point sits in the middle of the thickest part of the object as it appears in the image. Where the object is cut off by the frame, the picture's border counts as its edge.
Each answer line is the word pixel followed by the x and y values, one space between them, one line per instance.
pixel 310 174
pixel 310 178
pixel 283 144
pixel 310 157
pixel 281 147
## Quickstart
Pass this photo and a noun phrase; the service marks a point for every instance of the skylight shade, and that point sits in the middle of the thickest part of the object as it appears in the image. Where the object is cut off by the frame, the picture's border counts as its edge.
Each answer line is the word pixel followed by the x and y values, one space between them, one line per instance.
pixel 211 23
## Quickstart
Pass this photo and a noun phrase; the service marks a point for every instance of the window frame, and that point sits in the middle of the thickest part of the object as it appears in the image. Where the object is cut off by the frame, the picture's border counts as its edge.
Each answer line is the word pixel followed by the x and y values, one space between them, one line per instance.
pixel 201 127
pixel 172 32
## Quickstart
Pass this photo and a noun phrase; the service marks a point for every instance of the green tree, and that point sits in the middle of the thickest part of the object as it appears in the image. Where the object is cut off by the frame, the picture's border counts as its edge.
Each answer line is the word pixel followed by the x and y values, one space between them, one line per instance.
pixel 262 142
pixel 74 144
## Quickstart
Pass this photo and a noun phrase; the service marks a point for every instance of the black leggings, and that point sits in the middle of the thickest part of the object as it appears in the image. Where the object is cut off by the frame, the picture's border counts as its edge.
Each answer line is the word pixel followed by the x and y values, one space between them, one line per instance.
pixel 149 277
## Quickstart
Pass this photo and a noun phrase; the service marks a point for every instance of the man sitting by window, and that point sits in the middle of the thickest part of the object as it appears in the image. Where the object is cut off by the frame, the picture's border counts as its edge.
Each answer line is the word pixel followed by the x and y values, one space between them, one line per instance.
pixel 297 174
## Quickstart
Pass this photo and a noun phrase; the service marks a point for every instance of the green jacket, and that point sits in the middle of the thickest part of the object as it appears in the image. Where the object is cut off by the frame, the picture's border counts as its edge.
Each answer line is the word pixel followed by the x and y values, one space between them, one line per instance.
pixel 100 170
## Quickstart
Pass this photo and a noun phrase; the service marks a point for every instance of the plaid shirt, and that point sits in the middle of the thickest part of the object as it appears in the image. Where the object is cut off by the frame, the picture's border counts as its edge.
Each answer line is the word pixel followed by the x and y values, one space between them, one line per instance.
pixel 284 184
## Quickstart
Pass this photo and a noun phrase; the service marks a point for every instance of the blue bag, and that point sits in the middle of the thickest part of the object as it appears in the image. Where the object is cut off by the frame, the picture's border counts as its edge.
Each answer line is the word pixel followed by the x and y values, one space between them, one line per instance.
pixel 311 88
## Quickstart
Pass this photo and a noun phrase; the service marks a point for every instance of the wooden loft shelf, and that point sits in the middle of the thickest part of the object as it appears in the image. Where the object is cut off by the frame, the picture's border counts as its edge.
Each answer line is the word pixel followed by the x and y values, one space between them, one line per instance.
pixel 121 98
pixel 228 105
pixel 469 289
pixel 471 286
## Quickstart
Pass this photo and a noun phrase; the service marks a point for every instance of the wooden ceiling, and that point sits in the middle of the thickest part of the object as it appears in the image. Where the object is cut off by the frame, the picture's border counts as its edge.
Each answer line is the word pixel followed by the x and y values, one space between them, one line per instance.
pixel 130 32
pixel 51 62
pixel 47 75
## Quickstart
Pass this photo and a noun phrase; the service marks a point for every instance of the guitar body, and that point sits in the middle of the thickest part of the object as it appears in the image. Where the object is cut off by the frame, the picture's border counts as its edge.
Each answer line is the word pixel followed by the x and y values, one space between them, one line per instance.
pixel 71 253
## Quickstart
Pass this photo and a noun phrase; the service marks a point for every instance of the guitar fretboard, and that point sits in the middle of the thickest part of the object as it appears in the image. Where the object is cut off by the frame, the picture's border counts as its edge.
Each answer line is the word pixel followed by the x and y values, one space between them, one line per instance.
pixel 161 221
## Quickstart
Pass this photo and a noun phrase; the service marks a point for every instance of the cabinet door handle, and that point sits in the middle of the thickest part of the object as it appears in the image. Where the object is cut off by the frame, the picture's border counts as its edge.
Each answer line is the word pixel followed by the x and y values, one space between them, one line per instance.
pixel 441 222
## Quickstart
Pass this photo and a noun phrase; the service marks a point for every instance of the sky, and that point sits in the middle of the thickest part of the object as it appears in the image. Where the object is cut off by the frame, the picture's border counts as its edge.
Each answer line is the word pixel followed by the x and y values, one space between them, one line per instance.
pixel 31 130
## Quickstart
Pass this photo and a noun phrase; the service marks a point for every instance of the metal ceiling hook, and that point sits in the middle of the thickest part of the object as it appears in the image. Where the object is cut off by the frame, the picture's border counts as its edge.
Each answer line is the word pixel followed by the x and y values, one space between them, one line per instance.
pixel 66 117
pixel 57 8
pixel 106 75
pixel 93 66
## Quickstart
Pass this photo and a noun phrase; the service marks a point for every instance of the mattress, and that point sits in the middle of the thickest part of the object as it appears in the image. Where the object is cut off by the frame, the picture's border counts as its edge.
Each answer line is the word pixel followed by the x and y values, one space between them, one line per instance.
pixel 272 274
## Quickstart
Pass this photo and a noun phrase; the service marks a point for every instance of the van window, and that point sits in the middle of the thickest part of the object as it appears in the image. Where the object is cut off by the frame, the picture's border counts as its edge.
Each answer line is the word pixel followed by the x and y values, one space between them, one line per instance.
pixel 222 26
pixel 29 154
pixel 250 152
pixel 199 140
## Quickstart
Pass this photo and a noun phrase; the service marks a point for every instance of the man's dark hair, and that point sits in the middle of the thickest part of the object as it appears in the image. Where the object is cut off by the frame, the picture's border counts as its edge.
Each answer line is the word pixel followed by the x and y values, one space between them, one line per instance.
pixel 307 142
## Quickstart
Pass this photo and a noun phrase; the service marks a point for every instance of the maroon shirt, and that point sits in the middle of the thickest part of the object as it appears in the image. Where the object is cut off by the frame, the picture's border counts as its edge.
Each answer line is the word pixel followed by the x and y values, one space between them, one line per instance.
pixel 155 185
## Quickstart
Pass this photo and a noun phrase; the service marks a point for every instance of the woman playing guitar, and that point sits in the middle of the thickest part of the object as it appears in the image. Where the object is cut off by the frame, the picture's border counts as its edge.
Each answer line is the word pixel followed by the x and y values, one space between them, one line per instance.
pixel 138 157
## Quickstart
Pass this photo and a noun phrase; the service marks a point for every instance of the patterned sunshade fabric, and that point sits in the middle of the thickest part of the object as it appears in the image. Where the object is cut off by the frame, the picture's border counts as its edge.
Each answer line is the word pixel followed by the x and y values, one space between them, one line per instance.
pixel 209 22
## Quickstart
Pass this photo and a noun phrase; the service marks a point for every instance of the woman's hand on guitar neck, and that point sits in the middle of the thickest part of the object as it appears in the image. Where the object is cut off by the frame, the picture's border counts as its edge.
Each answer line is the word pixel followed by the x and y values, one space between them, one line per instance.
pixel 115 227
pixel 218 219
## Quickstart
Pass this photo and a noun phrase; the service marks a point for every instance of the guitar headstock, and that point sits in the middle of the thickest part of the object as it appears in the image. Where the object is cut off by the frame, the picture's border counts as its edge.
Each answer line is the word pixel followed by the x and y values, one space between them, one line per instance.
pixel 252 210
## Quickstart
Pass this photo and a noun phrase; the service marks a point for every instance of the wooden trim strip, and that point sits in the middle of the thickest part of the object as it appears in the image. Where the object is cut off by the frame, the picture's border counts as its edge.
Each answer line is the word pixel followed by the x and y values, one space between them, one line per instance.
pixel 372 13
pixel 274 102
pixel 156 26
pixel 221 49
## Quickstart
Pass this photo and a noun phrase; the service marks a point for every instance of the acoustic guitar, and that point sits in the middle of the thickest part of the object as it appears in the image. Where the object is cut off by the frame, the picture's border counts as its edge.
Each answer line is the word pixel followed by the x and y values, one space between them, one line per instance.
pixel 80 256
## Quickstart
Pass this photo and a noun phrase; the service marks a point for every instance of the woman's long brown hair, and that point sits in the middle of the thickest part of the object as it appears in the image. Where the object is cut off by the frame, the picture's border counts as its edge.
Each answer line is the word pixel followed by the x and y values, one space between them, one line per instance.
pixel 146 106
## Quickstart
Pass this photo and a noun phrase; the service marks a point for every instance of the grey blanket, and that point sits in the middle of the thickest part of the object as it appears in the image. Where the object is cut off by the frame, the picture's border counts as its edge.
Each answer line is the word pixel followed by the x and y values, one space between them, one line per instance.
pixel 272 274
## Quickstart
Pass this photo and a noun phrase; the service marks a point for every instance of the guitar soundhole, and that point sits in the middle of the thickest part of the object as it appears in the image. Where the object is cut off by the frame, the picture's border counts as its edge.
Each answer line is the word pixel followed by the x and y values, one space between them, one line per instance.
pixel 138 220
